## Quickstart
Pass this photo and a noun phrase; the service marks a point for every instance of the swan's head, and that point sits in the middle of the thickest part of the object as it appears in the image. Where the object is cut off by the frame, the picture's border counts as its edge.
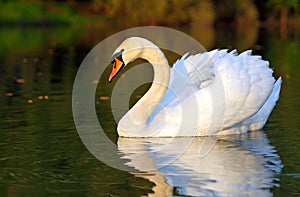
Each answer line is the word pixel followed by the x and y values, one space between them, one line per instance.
pixel 117 63
pixel 128 51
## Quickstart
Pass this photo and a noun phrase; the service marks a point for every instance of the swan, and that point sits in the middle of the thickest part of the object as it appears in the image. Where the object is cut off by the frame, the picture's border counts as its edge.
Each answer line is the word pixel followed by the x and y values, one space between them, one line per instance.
pixel 210 93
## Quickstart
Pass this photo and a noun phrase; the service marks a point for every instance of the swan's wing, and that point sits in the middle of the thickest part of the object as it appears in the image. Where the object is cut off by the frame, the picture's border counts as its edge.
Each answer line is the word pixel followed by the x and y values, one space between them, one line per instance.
pixel 199 69
pixel 246 81
pixel 192 73
pixel 259 119
pixel 187 76
pixel 246 84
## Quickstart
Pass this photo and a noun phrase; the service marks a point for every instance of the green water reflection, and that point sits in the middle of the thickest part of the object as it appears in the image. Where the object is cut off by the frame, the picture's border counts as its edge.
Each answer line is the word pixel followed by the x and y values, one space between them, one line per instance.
pixel 40 150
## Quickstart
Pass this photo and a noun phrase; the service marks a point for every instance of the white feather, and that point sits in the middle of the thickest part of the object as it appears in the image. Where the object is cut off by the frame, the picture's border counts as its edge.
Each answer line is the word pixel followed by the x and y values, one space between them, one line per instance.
pixel 249 91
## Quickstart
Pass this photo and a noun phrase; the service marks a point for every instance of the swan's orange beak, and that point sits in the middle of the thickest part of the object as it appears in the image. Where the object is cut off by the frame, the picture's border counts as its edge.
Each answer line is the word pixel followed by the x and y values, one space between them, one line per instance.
pixel 117 65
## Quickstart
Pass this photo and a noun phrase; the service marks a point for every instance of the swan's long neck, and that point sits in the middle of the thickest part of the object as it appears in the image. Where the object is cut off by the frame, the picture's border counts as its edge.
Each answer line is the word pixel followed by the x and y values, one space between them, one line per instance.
pixel 141 111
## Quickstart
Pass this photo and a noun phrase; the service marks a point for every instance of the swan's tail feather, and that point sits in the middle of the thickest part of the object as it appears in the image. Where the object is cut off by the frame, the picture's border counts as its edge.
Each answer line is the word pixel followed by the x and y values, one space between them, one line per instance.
pixel 258 120
pixel 276 90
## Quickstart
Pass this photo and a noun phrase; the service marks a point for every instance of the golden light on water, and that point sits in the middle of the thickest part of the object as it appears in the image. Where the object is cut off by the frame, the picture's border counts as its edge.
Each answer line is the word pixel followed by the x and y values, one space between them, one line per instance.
pixel 9 94
pixel 20 80
pixel 104 98
pixel 41 97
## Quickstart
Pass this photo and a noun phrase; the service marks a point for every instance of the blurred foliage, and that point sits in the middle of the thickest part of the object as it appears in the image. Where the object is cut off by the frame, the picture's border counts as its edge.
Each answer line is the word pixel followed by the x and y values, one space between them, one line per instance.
pixel 150 12
pixel 153 12
pixel 241 12
pixel 283 10
pixel 291 5
pixel 246 12
pixel 37 13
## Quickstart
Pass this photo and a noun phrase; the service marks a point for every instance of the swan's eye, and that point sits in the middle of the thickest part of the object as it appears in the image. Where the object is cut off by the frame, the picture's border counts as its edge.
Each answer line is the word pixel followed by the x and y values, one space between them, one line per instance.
pixel 117 55
pixel 113 63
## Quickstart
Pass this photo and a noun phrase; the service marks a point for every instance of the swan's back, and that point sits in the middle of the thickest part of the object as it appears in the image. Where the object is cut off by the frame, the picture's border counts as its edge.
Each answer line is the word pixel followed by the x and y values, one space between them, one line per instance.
pixel 247 82
pixel 243 84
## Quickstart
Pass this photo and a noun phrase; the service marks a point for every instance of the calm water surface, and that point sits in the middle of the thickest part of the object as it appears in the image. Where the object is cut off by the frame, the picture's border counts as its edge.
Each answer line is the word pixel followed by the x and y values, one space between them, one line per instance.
pixel 42 154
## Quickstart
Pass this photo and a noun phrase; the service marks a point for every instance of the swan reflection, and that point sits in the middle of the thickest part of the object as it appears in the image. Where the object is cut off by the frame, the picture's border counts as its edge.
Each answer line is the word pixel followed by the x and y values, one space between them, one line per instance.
pixel 236 165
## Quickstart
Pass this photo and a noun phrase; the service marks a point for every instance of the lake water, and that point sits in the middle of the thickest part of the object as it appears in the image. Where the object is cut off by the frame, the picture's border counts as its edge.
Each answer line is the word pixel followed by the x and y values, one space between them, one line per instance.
pixel 41 152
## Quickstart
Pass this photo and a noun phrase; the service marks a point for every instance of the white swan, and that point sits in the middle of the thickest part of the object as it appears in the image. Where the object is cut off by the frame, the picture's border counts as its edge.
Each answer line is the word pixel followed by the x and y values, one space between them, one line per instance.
pixel 211 93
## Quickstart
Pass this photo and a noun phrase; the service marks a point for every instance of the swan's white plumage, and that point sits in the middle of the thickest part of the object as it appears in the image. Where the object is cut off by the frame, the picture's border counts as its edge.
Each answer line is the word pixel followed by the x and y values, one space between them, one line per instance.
pixel 247 82
pixel 227 92
pixel 259 119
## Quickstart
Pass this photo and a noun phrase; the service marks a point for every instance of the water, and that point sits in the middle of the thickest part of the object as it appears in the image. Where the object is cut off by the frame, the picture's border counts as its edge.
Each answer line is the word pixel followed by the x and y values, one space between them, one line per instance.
pixel 42 154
